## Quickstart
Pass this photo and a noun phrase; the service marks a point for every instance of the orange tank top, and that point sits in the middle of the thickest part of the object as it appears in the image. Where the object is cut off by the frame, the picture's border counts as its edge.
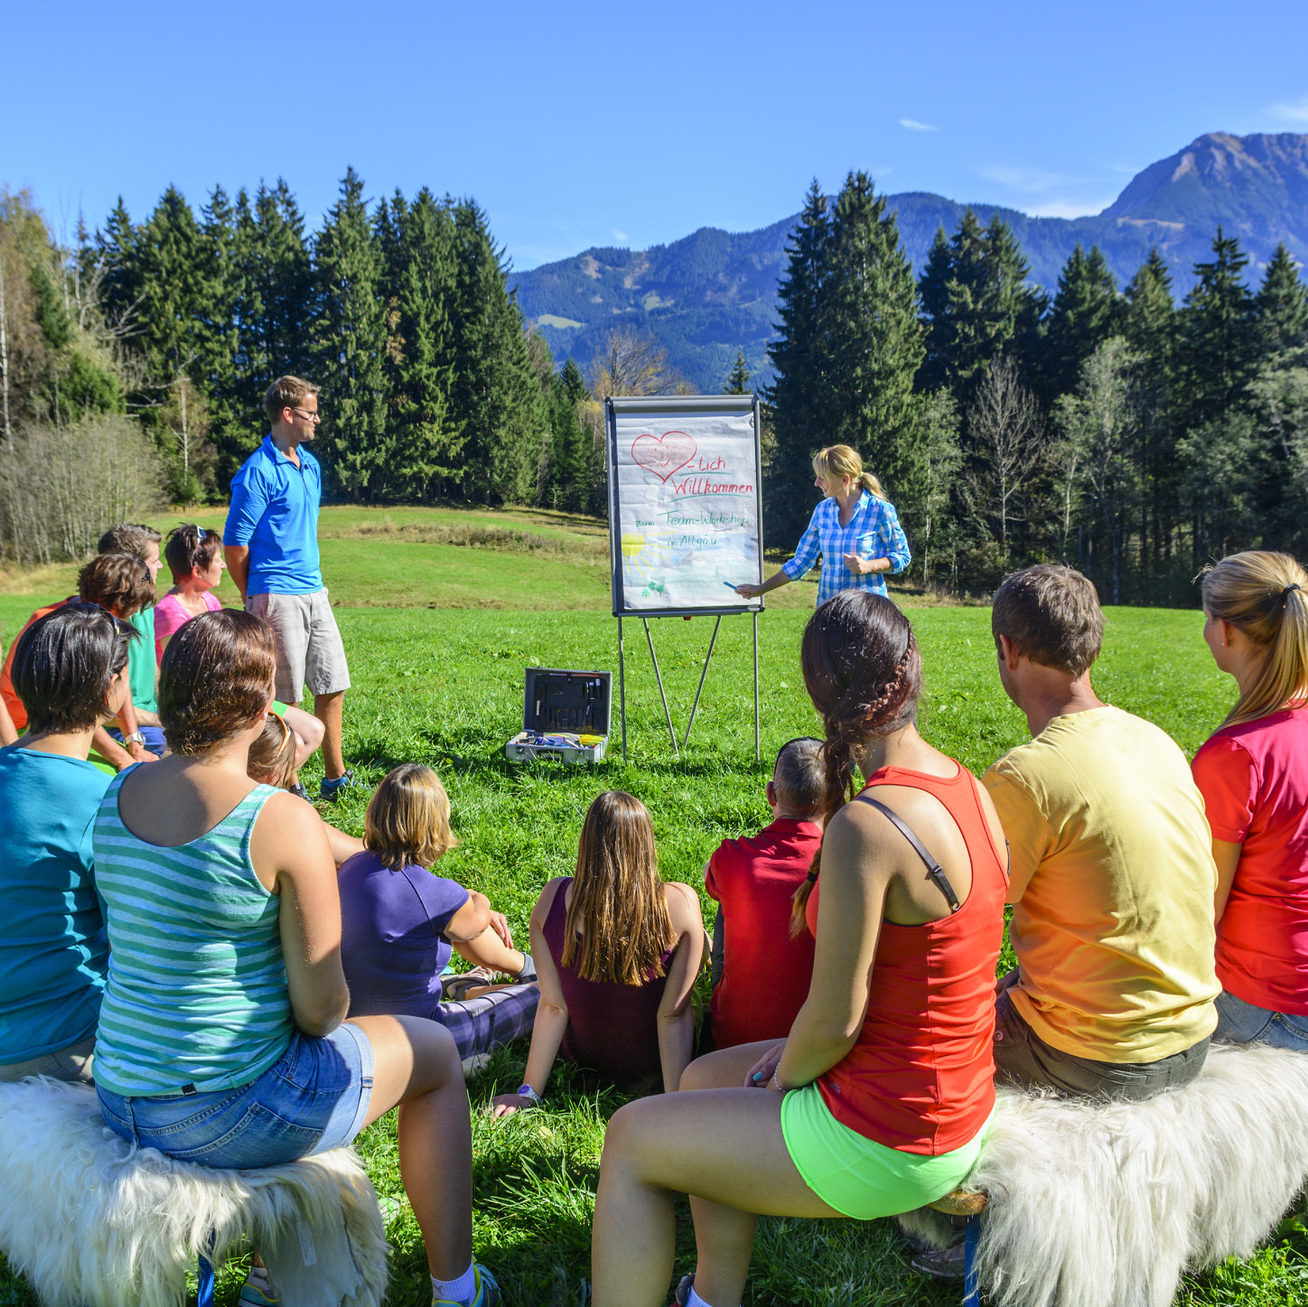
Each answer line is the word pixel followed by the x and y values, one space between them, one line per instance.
pixel 920 1076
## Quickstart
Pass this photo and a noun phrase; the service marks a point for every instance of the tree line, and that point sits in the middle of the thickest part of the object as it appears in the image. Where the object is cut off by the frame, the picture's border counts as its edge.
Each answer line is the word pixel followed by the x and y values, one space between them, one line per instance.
pixel 1107 427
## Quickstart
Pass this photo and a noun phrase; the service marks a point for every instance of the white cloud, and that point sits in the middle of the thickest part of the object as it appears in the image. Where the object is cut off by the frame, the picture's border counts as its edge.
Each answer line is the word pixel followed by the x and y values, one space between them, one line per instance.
pixel 1070 208
pixel 1032 181
pixel 1291 111
pixel 914 126
pixel 620 236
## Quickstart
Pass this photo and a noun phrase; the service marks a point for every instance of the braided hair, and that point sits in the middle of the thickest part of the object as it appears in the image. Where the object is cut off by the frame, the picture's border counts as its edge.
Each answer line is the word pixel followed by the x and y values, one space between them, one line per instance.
pixel 863 673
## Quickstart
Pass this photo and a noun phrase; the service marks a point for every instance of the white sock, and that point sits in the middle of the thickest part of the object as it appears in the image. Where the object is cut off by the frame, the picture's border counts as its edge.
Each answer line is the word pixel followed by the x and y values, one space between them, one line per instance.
pixel 460 1290
pixel 694 1300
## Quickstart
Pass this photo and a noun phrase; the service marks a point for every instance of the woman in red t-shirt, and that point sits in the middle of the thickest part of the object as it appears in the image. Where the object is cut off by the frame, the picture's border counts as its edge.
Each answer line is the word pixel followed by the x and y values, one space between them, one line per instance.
pixel 1253 774
pixel 878 1100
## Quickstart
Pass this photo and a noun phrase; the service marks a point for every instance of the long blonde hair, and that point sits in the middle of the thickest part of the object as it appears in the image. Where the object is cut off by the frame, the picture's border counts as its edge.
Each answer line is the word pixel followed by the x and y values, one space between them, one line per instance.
pixel 841 461
pixel 1265 595
pixel 617 896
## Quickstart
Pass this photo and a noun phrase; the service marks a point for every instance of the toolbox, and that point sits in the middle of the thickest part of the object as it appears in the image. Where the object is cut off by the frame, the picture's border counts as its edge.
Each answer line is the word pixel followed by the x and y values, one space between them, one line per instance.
pixel 565 715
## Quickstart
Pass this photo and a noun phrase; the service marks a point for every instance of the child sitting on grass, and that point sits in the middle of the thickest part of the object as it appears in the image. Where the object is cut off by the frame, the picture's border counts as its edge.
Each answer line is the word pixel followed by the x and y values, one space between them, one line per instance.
pixel 400 923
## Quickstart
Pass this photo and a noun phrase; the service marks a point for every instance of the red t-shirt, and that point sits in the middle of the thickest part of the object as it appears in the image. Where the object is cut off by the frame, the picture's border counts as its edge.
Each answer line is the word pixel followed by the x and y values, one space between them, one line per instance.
pixel 920 1077
pixel 1254 779
pixel 765 973
pixel 12 701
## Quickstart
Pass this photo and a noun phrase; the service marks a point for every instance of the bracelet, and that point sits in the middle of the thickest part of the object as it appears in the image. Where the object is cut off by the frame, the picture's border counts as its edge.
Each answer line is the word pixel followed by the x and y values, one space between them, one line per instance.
pixel 526 1091
pixel 777 1085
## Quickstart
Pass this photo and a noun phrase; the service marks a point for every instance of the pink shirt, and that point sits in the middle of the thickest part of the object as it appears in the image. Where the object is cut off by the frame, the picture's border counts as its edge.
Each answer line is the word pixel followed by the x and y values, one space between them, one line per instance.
pixel 169 616
pixel 1254 779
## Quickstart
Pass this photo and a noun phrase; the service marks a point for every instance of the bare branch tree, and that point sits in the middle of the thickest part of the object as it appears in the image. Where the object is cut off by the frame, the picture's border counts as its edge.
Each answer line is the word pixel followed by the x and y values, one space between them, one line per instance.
pixel 1005 424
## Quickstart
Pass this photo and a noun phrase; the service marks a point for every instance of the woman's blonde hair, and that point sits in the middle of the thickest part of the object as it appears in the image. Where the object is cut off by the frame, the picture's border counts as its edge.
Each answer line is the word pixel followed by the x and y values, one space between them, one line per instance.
pixel 841 461
pixel 1265 595
pixel 617 897
pixel 408 819
pixel 271 759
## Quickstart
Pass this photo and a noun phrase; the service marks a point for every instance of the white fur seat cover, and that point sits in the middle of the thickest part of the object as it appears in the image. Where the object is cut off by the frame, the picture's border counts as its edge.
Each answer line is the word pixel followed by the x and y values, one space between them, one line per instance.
pixel 1103 1205
pixel 91 1219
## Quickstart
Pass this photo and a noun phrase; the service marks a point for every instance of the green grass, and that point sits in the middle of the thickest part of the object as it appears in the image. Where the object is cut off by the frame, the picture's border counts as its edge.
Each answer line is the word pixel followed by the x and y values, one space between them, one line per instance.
pixel 441 613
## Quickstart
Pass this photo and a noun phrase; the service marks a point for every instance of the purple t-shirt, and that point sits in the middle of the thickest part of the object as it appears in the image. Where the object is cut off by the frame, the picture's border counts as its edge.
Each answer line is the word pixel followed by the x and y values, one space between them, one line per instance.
pixel 392 944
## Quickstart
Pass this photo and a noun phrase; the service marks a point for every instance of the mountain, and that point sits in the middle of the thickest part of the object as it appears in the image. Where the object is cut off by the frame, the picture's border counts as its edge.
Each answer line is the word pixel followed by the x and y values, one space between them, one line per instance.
pixel 712 292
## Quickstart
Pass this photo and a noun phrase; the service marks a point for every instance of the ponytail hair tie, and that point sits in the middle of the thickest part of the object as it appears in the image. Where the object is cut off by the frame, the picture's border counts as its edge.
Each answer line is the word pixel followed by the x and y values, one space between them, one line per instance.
pixel 1285 594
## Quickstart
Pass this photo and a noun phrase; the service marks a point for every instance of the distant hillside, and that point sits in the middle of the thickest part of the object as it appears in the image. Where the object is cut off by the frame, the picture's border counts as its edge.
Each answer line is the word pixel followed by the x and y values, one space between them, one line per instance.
pixel 712 292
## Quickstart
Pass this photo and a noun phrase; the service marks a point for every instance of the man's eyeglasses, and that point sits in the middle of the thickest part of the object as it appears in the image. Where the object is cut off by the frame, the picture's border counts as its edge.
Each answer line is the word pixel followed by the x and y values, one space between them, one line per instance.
pixel 305 414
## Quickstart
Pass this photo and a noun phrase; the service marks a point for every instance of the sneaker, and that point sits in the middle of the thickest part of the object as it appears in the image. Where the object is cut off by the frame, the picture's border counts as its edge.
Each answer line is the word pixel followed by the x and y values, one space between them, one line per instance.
pixel 682 1296
pixel 254 1294
pixel 946 1263
pixel 331 790
pixel 487 1295
pixel 300 792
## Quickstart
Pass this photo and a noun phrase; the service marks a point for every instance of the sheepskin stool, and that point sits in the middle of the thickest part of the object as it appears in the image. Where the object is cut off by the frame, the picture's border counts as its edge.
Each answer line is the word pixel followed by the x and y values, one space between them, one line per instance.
pixel 93 1221
pixel 1095 1204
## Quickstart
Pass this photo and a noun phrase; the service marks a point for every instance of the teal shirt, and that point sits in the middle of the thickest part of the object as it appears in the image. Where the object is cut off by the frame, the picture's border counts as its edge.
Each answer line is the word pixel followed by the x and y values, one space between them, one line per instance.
pixel 141 663
pixel 53 949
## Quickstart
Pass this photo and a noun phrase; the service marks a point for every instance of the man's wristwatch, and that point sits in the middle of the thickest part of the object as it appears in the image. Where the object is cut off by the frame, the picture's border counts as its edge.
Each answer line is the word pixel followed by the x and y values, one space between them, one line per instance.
pixel 527 1092
pixel 134 738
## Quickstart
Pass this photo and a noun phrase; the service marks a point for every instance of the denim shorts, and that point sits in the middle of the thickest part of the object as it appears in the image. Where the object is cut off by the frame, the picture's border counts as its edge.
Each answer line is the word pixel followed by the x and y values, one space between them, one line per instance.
pixel 1239 1022
pixel 313 1099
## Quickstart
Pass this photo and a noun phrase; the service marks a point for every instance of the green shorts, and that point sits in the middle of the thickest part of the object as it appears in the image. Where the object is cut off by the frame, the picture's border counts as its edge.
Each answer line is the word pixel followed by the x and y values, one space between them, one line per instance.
pixel 859 1177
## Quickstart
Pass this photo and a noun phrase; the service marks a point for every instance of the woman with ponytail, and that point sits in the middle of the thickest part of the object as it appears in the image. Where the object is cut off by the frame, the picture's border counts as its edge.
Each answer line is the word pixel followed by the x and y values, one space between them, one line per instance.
pixel 1254 777
pixel 855 529
pixel 878 1100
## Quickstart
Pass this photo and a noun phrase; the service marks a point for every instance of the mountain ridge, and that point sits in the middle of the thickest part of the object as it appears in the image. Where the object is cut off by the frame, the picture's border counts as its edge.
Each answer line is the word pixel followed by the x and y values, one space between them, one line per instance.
pixel 711 292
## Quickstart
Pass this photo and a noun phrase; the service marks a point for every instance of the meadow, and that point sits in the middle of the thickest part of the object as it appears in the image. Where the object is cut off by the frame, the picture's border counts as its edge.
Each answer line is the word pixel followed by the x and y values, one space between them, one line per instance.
pixel 441 612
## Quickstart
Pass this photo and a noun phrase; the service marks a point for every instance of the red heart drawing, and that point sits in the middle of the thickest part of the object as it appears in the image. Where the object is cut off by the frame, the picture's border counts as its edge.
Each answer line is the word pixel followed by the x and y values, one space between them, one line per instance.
pixel 663 455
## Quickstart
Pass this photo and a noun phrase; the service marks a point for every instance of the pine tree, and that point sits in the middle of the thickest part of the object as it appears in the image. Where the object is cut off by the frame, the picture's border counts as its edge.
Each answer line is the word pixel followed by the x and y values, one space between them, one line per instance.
pixel 933 295
pixel 738 381
pixel 571 466
pixel 349 338
pixel 1281 306
pixel 798 356
pixel 1084 314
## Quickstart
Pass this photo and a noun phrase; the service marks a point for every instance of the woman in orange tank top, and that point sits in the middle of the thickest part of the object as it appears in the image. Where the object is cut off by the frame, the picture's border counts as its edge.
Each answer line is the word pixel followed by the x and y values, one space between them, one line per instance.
pixel 878 1100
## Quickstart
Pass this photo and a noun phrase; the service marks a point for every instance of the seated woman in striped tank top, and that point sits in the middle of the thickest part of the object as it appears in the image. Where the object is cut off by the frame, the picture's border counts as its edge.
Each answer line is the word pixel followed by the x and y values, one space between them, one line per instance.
pixel 221 1036
pixel 877 1101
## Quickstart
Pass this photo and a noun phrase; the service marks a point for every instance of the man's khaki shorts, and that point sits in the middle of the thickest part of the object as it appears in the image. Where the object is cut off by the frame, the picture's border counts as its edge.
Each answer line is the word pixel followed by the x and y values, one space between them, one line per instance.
pixel 309 647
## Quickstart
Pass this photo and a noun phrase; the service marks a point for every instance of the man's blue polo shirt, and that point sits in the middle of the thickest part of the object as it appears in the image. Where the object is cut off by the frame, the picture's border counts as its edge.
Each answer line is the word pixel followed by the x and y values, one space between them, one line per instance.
pixel 275 512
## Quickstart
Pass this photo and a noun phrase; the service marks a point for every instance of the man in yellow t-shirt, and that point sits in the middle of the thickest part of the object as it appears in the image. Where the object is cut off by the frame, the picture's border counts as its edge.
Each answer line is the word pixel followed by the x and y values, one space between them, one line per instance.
pixel 1112 874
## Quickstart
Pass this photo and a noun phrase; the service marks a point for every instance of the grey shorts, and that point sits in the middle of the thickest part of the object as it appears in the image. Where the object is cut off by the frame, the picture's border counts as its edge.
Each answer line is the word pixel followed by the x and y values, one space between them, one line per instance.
pixel 71 1063
pixel 1022 1058
pixel 309 647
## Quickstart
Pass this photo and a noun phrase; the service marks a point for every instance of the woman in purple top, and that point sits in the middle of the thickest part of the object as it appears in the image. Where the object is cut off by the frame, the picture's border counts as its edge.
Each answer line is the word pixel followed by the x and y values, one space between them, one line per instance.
pixel 617 951
pixel 401 922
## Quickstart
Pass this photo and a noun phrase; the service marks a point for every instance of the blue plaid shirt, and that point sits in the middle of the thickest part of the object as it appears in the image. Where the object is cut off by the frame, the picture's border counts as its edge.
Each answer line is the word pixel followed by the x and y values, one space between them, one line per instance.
pixel 873 532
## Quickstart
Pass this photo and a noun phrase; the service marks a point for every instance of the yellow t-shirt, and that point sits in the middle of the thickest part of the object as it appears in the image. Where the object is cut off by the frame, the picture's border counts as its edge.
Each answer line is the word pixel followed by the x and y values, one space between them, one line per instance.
pixel 1112 884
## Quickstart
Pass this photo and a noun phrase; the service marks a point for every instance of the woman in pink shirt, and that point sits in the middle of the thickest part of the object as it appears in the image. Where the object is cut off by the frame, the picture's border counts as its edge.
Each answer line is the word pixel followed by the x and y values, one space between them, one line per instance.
pixel 195 558
pixel 1254 777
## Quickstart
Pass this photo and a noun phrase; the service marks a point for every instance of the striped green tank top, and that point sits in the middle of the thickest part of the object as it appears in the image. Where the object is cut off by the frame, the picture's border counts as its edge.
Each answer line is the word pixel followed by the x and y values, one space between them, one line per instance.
pixel 196 995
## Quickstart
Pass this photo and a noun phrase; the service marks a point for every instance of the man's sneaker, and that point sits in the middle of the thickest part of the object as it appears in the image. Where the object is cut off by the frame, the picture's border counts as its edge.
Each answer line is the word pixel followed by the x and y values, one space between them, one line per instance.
pixel 331 790
pixel 487 1295
pixel 300 792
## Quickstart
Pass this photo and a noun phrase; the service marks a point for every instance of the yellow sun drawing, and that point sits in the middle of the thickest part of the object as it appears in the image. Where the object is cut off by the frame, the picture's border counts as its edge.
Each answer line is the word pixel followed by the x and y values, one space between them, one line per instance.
pixel 639 555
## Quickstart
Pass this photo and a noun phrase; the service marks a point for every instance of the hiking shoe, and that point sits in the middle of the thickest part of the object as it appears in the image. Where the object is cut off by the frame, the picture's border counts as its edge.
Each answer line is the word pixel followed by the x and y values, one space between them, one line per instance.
pixel 487 1295
pixel 942 1263
pixel 331 790
pixel 299 791
pixel 254 1294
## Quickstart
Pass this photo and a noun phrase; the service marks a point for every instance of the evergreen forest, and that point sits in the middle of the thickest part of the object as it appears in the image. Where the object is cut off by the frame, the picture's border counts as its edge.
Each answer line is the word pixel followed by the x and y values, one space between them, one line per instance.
pixel 1107 426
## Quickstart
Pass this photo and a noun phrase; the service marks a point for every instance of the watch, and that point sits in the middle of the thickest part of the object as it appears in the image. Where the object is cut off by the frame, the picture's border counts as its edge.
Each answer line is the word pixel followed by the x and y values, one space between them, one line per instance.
pixel 526 1091
pixel 135 738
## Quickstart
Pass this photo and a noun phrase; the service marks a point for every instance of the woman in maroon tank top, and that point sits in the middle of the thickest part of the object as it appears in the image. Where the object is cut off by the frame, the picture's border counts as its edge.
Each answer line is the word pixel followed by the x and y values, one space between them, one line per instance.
pixel 878 1100
pixel 617 951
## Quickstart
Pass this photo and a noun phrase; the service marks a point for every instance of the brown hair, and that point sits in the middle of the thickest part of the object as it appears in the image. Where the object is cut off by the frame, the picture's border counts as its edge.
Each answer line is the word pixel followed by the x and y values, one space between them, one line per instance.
pixel 863 673
pixel 120 582
pixel 128 538
pixel 1265 595
pixel 1052 616
pixel 64 664
pixel 286 392
pixel 216 677
pixel 188 547
pixel 842 461
pixel 617 895
pixel 272 754
pixel 408 819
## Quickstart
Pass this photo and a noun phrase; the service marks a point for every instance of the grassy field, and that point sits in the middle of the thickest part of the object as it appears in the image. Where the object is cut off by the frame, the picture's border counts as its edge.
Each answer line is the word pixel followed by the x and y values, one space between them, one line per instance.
pixel 441 613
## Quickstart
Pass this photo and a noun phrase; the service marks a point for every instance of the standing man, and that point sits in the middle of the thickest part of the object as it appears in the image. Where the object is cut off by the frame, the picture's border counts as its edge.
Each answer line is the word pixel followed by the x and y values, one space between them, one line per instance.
pixel 271 545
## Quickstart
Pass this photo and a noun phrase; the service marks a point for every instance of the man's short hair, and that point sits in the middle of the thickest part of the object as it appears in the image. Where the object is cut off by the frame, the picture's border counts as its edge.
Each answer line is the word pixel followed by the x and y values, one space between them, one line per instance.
pixel 1051 615
pixel 286 392
pixel 119 582
pixel 800 775
pixel 128 538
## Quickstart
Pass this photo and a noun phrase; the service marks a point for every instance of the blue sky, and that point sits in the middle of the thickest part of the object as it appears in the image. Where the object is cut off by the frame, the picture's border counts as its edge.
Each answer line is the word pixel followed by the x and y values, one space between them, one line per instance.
pixel 614 124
